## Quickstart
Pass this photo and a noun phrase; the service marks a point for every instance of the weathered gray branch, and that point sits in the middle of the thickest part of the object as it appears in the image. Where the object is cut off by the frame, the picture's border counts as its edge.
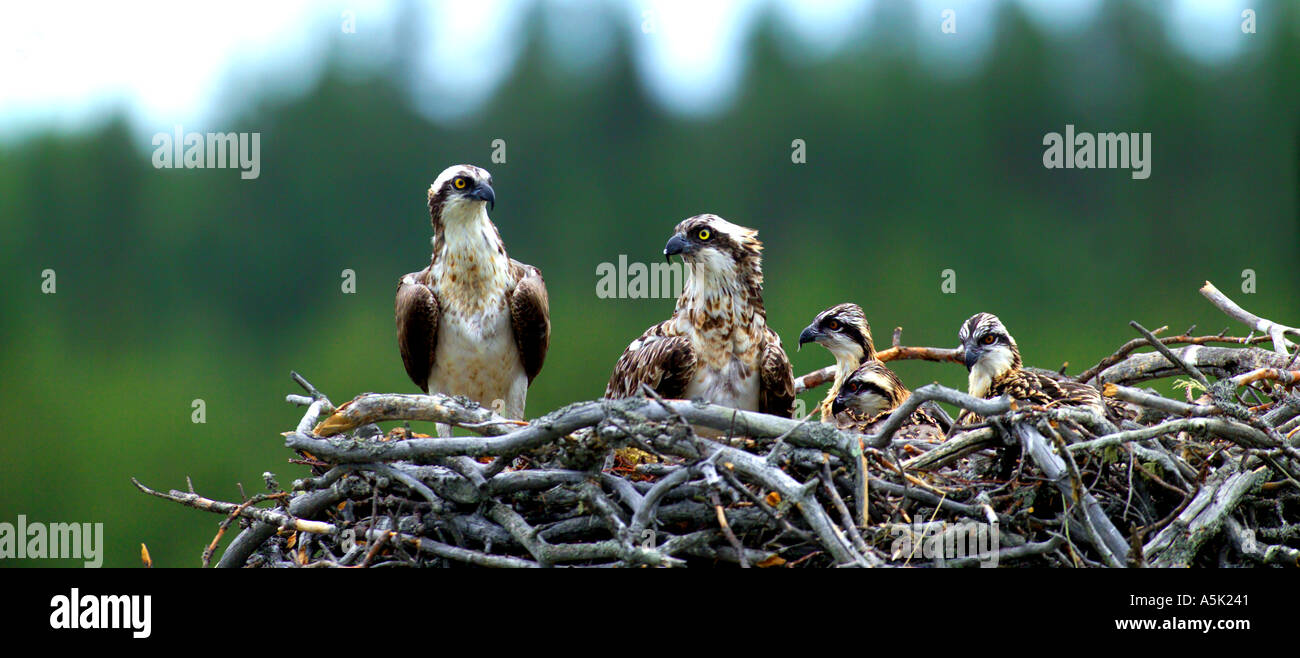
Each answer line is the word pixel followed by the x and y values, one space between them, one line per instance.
pixel 1176 545
pixel 1277 332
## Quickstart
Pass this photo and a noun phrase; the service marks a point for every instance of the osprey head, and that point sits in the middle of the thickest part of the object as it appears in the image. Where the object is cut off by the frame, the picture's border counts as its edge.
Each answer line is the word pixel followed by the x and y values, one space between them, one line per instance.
pixel 713 246
pixel 460 188
pixel 871 389
pixel 987 346
pixel 843 330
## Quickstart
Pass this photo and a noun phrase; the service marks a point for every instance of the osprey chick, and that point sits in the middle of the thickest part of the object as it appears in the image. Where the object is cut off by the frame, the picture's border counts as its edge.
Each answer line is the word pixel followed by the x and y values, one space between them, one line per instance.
pixel 717 346
pixel 842 329
pixel 872 392
pixel 994 363
pixel 474 322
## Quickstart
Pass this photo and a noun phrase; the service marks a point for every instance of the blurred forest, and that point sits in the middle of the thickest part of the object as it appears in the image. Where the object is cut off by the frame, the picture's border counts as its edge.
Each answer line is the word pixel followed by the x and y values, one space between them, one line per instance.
pixel 182 284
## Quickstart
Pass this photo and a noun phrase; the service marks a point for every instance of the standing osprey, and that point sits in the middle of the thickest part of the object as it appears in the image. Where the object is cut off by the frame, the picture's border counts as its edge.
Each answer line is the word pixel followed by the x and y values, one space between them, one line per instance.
pixel 842 329
pixel 993 360
pixel 474 322
pixel 716 346
pixel 872 392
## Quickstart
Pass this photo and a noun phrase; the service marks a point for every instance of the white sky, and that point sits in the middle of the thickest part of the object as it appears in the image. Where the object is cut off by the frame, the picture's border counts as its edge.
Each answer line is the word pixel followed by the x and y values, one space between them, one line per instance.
pixel 62 64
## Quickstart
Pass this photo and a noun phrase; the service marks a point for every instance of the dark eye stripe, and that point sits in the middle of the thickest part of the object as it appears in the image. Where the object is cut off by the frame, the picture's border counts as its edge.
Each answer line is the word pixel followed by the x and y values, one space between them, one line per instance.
pixel 863 388
pixel 851 331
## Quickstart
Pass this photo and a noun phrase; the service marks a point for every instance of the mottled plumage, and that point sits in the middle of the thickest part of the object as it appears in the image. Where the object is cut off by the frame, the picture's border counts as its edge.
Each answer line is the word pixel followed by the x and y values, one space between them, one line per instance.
pixel 872 392
pixel 842 329
pixel 474 322
pixel 993 360
pixel 716 346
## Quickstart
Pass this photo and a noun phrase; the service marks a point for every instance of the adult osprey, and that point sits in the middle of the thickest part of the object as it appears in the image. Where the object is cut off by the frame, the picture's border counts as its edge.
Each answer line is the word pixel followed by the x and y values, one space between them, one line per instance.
pixel 474 322
pixel 842 329
pixel 717 346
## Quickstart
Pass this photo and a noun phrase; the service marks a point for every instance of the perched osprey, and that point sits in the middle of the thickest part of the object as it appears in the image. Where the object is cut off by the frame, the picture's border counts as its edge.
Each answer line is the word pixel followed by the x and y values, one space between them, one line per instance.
pixel 994 363
pixel 474 322
pixel 716 346
pixel 870 393
pixel 842 329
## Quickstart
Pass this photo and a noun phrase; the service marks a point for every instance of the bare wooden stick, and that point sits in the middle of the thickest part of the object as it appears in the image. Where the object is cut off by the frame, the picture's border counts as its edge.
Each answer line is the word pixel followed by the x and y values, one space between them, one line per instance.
pixel 1161 348
pixel 271 516
pixel 933 392
pixel 374 408
pixel 954 448
pixel 1276 332
pixel 1110 542
pixel 896 352
pixel 1177 543
pixel 1220 361
pixel 1283 377
pixel 1153 401
pixel 1128 348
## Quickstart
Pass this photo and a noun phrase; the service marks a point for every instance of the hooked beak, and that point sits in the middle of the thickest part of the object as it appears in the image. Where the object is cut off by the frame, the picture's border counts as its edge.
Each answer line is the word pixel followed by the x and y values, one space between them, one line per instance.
pixel 484 192
pixel 677 244
pixel 838 405
pixel 810 334
pixel 969 356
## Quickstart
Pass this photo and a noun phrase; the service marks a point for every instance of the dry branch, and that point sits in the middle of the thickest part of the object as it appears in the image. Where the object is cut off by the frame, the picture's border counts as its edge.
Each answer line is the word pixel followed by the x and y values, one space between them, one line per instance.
pixel 1276 332
pixel 896 351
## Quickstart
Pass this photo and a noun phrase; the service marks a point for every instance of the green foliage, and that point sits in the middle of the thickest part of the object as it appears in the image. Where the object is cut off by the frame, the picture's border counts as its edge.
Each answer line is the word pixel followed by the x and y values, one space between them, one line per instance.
pixel 1191 386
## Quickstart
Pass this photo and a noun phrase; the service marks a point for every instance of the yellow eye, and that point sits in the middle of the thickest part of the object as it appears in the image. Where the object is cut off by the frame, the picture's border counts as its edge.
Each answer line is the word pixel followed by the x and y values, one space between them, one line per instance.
pixel 705 234
pixel 459 183
pixel 989 339
pixel 833 325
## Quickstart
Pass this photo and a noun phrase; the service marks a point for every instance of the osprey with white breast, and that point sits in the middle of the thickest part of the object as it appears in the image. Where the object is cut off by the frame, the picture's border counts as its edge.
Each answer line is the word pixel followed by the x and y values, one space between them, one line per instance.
pixel 474 322
pixel 717 346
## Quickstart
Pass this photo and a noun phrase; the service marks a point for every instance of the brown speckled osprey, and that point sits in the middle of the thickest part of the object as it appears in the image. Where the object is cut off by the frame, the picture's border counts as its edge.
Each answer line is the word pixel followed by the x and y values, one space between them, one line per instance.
pixel 995 369
pixel 474 322
pixel 717 346
pixel 872 392
pixel 842 329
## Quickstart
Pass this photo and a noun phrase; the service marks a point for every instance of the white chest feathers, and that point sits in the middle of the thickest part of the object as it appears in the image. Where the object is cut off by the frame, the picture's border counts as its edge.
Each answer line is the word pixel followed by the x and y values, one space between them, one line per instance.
pixel 476 357
pixel 734 385
pixel 725 336
pixel 992 365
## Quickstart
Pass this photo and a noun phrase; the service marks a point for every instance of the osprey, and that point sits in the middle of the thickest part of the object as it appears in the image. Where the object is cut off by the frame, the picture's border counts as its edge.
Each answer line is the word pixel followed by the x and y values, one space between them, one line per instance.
pixel 716 347
pixel 474 322
pixel 842 329
pixel 993 360
pixel 872 392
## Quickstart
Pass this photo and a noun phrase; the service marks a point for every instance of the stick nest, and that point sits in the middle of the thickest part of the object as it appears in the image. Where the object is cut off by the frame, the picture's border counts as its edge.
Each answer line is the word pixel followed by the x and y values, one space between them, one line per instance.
pixel 1210 477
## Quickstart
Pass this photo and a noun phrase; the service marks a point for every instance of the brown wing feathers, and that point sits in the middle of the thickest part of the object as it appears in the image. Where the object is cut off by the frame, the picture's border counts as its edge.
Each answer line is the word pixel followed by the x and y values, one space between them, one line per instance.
pixel 417 326
pixel 666 363
pixel 776 390
pixel 530 316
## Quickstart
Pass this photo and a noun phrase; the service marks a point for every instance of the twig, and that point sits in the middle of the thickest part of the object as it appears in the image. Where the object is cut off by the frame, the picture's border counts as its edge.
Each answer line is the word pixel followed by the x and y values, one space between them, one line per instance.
pixel 898 352
pixel 1169 354
pixel 1276 332
pixel 273 517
